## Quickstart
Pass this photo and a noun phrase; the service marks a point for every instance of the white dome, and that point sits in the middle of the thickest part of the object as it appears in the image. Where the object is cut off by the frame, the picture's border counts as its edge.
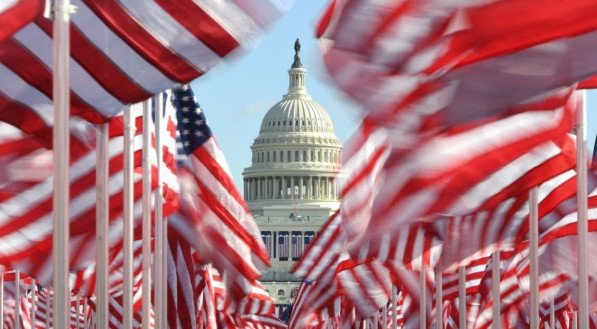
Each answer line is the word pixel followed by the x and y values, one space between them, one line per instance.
pixel 296 114
pixel 297 155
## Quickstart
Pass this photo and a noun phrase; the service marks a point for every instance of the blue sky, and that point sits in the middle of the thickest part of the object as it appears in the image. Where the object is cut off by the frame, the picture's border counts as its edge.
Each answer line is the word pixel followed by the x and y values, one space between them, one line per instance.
pixel 237 94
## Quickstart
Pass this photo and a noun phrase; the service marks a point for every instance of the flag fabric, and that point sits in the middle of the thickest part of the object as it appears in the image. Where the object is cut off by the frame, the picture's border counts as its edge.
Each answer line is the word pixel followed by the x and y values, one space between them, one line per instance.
pixel 213 216
pixel 473 274
pixel 318 304
pixel 121 52
pixel 364 157
pixel 323 252
pixel 283 245
pixel 296 245
pixel 29 225
pixel 420 66
pixel 267 241
pixel 482 175
pixel 182 297
pixel 255 310
pixel 367 286
pixel 14 14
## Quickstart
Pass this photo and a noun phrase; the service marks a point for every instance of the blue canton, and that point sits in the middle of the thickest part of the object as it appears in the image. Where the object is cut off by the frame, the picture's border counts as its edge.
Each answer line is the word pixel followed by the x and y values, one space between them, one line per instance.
pixel 192 126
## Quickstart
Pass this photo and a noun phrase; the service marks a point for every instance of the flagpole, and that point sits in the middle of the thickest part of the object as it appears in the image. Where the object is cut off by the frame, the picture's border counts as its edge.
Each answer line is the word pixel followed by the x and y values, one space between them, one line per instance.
pixel 461 298
pixel 581 169
pixel 495 289
pixel 101 215
pixel 146 202
pixel 33 302
pixel 552 314
pixel 438 299
pixel 86 313
pixel 394 307
pixel 159 227
pixel 533 257
pixel 17 299
pixel 127 304
pixel 422 300
pixel 160 218
pixel 61 86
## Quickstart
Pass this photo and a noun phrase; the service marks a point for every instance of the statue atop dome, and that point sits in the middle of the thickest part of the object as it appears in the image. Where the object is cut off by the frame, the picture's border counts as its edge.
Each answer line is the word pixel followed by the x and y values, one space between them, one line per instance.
pixel 297 58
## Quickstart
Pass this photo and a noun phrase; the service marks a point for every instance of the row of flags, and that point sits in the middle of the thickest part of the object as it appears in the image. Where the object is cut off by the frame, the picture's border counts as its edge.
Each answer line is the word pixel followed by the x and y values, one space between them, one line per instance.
pixel 467 106
pixel 121 54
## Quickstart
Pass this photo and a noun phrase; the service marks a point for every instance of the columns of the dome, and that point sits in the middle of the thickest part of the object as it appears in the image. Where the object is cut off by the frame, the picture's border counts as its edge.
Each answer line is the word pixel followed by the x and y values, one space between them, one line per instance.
pixel 309 187
pixel 335 189
pixel 292 189
pixel 296 81
pixel 301 188
pixel 271 187
pixel 250 188
pixel 276 188
pixel 259 189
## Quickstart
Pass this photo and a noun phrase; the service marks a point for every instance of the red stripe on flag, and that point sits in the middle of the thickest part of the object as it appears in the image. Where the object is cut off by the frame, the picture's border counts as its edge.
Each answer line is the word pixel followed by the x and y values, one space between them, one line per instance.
pixel 163 58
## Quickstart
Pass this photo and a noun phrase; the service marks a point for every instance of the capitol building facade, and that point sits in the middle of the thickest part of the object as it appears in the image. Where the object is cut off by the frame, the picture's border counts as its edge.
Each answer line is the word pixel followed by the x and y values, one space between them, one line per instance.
pixel 291 185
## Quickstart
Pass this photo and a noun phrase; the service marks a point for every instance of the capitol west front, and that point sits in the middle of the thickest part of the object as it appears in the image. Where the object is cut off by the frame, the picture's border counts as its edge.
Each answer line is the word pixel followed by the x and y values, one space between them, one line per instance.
pixel 291 185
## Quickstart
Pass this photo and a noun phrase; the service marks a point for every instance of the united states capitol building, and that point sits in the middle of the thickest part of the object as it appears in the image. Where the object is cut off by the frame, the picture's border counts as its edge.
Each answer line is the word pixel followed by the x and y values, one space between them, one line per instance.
pixel 291 185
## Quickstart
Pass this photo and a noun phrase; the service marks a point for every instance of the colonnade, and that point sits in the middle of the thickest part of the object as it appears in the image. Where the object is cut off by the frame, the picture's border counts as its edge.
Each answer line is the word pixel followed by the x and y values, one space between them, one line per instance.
pixel 290 187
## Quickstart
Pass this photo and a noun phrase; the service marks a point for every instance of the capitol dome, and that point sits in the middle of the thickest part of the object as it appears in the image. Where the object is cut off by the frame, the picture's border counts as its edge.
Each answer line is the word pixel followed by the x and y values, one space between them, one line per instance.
pixel 296 114
pixel 297 155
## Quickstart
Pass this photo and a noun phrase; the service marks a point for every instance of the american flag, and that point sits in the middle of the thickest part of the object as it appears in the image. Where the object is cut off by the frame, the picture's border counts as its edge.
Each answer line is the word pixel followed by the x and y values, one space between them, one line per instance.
pixel 214 217
pixel 283 245
pixel 367 285
pixel 34 217
pixel 267 241
pixel 418 78
pixel 121 53
pixel 296 246
pixel 14 14
pixel 182 297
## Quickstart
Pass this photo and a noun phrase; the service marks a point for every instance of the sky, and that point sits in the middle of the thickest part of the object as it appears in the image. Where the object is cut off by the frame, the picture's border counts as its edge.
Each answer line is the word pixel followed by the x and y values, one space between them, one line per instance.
pixel 237 93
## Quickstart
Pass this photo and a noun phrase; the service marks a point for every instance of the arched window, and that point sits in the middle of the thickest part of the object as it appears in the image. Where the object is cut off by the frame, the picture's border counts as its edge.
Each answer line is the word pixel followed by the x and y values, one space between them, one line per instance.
pixel 288 156
pixel 281 292
pixel 304 155
pixel 281 156
pixel 312 155
pixel 267 156
pixel 296 156
pixel 274 156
